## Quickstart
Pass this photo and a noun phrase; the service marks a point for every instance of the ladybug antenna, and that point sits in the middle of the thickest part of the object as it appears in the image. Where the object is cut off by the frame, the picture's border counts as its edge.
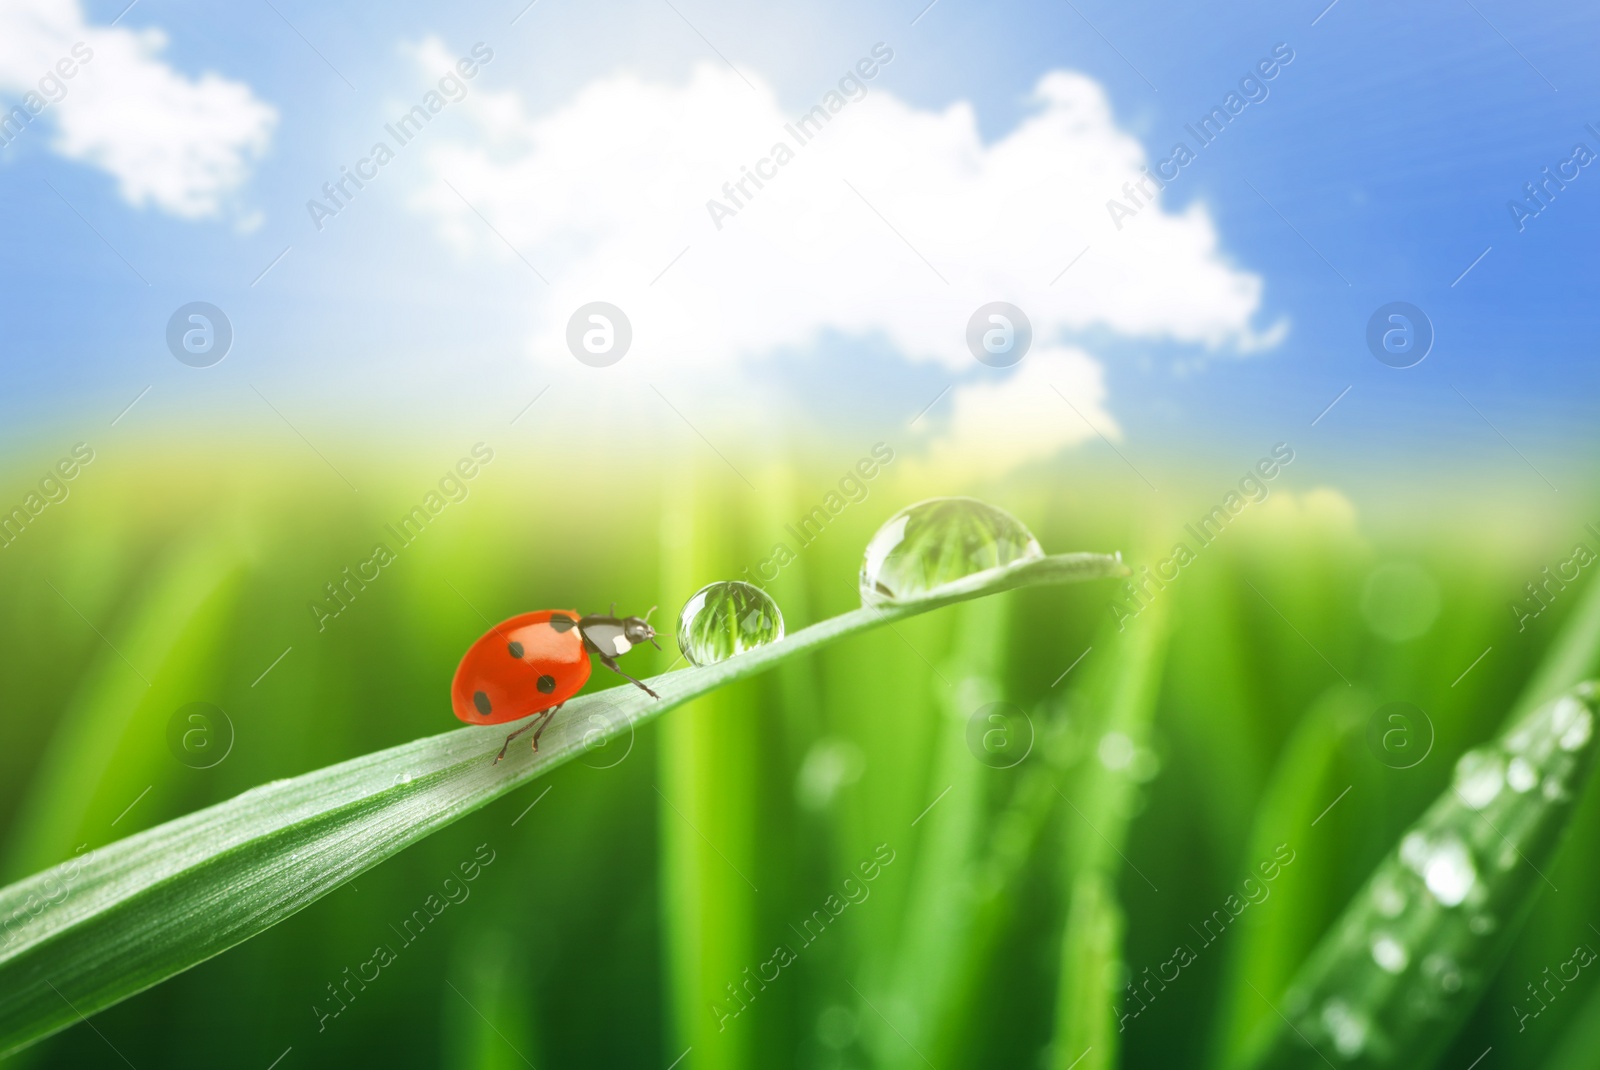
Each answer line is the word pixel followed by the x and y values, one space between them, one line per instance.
pixel 647 615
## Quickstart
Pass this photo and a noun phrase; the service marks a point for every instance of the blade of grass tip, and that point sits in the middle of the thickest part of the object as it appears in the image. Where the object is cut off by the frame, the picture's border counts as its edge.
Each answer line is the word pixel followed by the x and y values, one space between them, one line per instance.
pixel 1262 955
pixel 102 928
pixel 1125 686
pixel 1392 981
pixel 939 908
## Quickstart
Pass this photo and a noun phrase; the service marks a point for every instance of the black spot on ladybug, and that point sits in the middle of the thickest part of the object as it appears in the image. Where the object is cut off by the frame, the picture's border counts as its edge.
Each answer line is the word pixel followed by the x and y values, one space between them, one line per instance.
pixel 480 700
pixel 561 622
pixel 515 648
pixel 546 684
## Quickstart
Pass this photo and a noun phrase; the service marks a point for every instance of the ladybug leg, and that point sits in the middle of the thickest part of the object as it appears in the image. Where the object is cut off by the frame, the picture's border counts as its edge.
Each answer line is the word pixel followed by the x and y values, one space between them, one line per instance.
pixel 544 722
pixel 611 663
pixel 535 723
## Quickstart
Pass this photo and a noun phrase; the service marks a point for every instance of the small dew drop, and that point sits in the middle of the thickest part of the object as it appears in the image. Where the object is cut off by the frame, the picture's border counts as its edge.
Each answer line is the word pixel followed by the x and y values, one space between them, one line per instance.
pixel 1521 776
pixel 727 618
pixel 1347 1028
pixel 1388 899
pixel 1443 971
pixel 1554 790
pixel 1389 953
pixel 1578 732
pixel 1414 851
pixel 1479 776
pixel 1448 872
pixel 936 542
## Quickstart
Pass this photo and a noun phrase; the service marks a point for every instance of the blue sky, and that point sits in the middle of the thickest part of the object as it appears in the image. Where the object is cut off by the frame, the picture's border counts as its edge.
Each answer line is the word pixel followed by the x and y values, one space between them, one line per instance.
pixel 1378 169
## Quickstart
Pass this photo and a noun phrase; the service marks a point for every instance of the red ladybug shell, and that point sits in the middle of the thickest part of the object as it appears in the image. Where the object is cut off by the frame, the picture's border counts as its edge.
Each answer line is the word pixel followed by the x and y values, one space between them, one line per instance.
pixel 521 666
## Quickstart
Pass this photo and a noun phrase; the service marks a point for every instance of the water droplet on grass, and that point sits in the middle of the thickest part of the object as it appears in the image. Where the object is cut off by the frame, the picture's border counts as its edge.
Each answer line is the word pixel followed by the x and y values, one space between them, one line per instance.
pixel 1448 871
pixel 1479 775
pixel 939 541
pixel 1346 1027
pixel 1573 723
pixel 1521 776
pixel 1443 970
pixel 1389 953
pixel 1387 898
pixel 727 618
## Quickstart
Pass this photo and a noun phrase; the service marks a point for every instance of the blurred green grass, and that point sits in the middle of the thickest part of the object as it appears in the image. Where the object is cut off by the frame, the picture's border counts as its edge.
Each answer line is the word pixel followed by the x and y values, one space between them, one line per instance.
pixel 624 902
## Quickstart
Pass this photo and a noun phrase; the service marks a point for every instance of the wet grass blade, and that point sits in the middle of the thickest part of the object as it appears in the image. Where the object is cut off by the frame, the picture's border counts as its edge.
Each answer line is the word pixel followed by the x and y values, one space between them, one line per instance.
pixel 1119 696
pixel 1391 982
pixel 1091 953
pixel 92 931
pixel 932 955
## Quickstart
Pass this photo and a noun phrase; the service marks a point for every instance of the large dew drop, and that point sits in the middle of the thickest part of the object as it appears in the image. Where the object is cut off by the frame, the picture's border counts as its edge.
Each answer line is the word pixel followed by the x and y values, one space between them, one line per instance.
pixel 927 545
pixel 727 618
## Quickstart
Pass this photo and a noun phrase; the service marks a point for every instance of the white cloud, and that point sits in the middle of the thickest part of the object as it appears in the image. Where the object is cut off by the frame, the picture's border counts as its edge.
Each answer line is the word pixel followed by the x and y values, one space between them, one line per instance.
pixel 183 144
pixel 997 424
pixel 604 191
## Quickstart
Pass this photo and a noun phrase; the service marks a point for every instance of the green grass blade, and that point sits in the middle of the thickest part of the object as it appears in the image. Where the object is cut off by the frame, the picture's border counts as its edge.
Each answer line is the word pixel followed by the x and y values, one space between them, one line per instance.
pixel 1263 953
pixel 1086 1035
pixel 1573 658
pixel 1392 981
pixel 1576 1048
pixel 1119 694
pixel 91 932
pixel 941 912
pixel 173 632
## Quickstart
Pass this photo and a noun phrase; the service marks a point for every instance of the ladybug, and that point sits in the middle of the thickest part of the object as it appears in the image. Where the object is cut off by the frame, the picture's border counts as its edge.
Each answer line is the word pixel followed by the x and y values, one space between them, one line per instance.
pixel 534 662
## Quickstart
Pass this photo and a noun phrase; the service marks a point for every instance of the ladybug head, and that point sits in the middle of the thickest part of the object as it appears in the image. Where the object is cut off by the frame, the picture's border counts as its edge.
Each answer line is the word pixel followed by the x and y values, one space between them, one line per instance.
pixel 637 630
